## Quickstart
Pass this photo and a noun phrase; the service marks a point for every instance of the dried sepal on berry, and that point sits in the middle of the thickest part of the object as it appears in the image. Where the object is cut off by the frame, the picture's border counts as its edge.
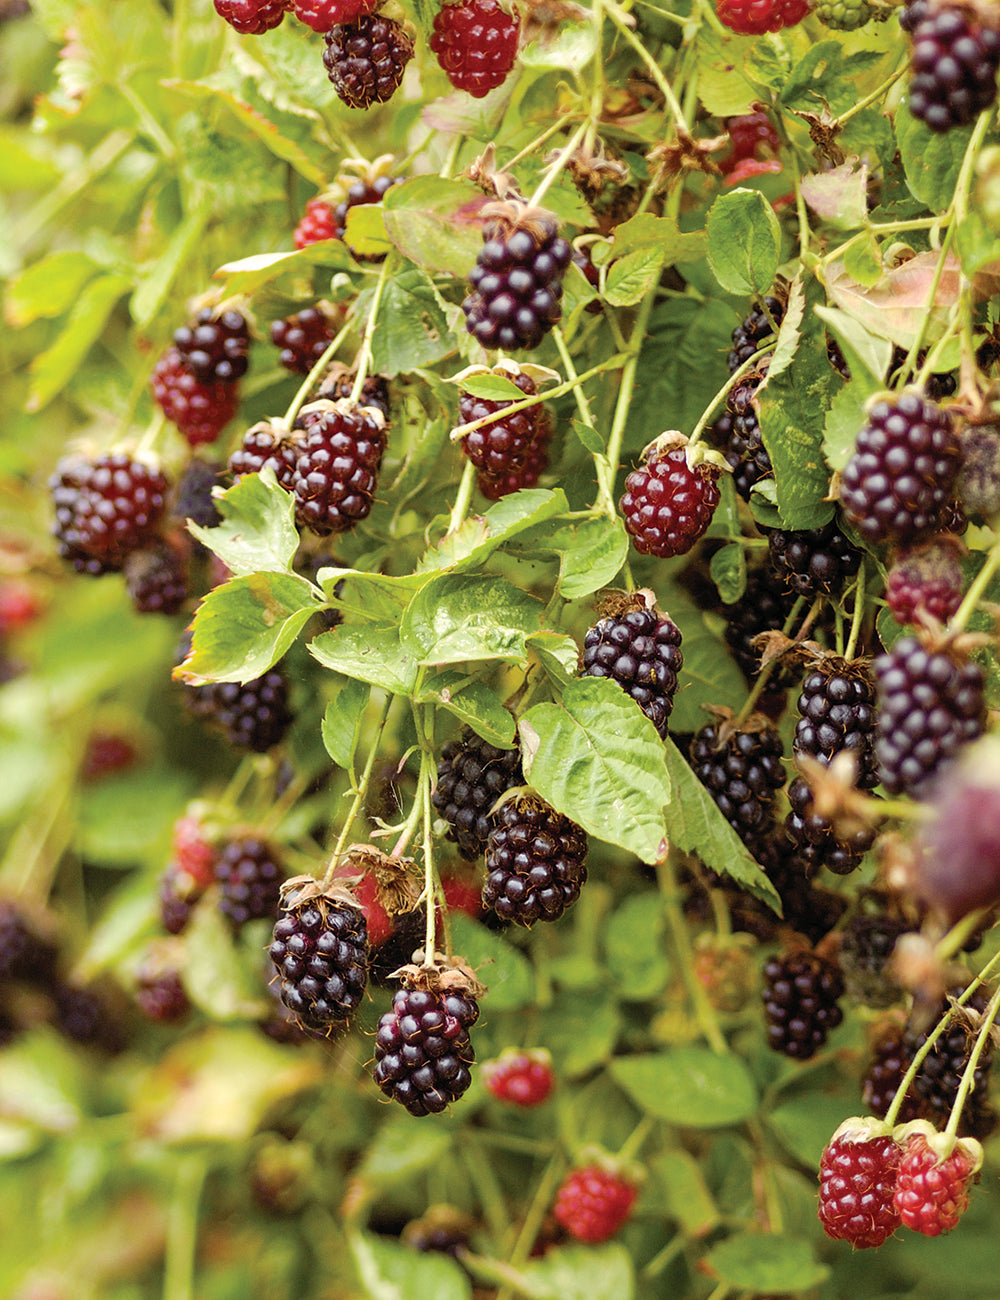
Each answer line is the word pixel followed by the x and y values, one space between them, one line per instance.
pixel 398 881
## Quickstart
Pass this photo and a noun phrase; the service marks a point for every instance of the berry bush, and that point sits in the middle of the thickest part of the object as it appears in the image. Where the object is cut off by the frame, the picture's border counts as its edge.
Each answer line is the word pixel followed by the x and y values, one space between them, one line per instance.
pixel 499 583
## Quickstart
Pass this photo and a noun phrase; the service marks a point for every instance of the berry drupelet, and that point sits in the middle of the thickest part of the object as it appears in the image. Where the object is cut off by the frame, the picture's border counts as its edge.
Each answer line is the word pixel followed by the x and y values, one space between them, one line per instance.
pixel 836 715
pixel 319 949
pixel 302 339
pixel 535 862
pixel 847 15
pixel 476 44
pixel 801 993
pixel 264 445
pixel 740 431
pixel 252 17
pixel 254 715
pixel 422 1046
pixel 471 777
pixel 742 774
pixel 932 1189
pixel 317 224
pixel 813 561
pixel 761 325
pixel 365 59
pixel 249 874
pixel 336 470
pixel 669 502
pixel 321 15
pixel 925 583
pixel 214 348
pixel 639 649
pixel 754 17
pixel 857 1184
pixel 517 281
pixel 520 1077
pixel 106 508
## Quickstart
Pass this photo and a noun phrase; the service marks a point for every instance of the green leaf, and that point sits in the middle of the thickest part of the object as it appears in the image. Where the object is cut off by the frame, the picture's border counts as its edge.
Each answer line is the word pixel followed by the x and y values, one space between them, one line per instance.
pixel 691 1086
pixel 744 241
pixel 495 388
pixel 152 291
pixel 722 86
pixel 52 369
pixel 789 331
pixel 473 702
pixel 252 273
pixel 632 276
pixel 593 557
pixel 581 1033
pixel 805 1119
pixel 129 919
pixel 761 1262
pixel 364 231
pixel 215 975
pixel 689 1201
pixel 839 196
pixel 245 626
pixel 434 223
pixel 456 618
pixel 258 526
pixel 376 597
pixel 696 825
pixel 647 233
pixel 345 713
pixel 581 1273
pixel 400 1149
pixel 480 535
pixel 123 815
pixel 634 948
pixel 597 758
pixel 558 654
pixel 48 288
pixel 728 568
pixel 391 1271
pixel 867 354
pixel 844 421
pixel 370 654
pixel 41 1082
pixel 508 972
pixel 420 333
pixel 569 47
pixel 931 160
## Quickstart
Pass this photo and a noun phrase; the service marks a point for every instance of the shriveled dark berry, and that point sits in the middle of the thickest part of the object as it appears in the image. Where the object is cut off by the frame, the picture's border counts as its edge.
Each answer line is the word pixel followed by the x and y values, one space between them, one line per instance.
pixel 471 777
pixel 302 339
pixel 476 44
pixel 249 873
pixel 668 503
pixel 816 841
pixel 365 59
pixel 214 348
pixel 105 508
pixel 641 651
pixel 760 325
pixel 801 993
pixel 336 471
pixel 422 1048
pixel 744 449
pixel 930 705
pixel 535 862
pixel 156 578
pixel 252 17
pixel 200 409
pixel 742 774
pixel 954 65
pixel 867 943
pixel 978 485
pixel 320 950
pixel 925 582
pixel 813 561
pixel 901 476
pixel 517 284
pixel 254 715
pixel 857 1184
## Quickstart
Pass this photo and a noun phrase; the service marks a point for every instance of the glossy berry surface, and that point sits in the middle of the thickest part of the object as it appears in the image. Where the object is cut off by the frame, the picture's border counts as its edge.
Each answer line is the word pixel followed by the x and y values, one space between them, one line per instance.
pixel 476 44
pixel 423 1050
pixel 754 17
pixel 901 475
pixel 739 431
pixel 742 774
pixel 765 606
pixel 510 452
pixel 816 842
pixel 930 705
pixel 321 15
pixel 668 503
pixel 317 223
pixel 953 65
pixel 517 284
pixel 890 1059
pixel 249 874
pixel 593 1203
pixel 105 508
pixel 641 651
pixel 336 470
pixel 264 446
pixel 932 1194
pixel 200 410
pixel 520 1078
pixel 253 716
pixel 252 17
pixel 365 59
pixel 925 583
pixel 760 326
pixel 836 715
pixel 214 348
pixel 320 952
pixel 801 993
pixel 302 339
pixel 857 1182
pixel 936 1086
pixel 535 862
pixel 813 561
pixel 471 777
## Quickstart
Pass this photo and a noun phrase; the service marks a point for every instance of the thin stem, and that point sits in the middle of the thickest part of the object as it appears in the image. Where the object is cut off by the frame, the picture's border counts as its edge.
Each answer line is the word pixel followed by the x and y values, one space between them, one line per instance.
pixel 364 356
pixel 359 797
pixel 681 940
pixel 306 387
pixel 633 1143
pixel 537 1210
pixel 977 587
pixel 182 1229
pixel 488 1188
pixel 605 499
pixel 618 17
pixel 623 405
pixel 969 1073
pixel 148 122
pixel 611 364
pixel 763 677
pixel 538 141
pixel 877 93
pixel 461 506
pixel 430 875
pixel 857 614
pixel 554 168
pixel 734 379
pixel 151 437
pixel 956 938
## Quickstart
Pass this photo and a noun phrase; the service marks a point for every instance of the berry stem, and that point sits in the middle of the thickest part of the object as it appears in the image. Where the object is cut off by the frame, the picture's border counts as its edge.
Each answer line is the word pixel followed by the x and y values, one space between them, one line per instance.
pixel 969 1073
pixel 757 690
pixel 459 432
pixel 733 380
pixel 431 889
pixel 634 1142
pixel 538 141
pixel 878 93
pixel 461 506
pixel 621 20
pixel 977 587
pixel 360 792
pixel 954 941
pixel 182 1229
pixel 306 387
pixel 487 1187
pixel 605 501
pixel 554 168
pixel 365 354
pixel 612 455
pixel 681 941
pixel 857 615
pixel 540 1202
pixel 151 437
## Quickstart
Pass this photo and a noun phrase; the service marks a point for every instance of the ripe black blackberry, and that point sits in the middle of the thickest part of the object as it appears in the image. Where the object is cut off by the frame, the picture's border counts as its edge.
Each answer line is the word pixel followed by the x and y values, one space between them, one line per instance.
pixel 535 862
pixel 816 842
pixel 901 477
pixel 471 777
pixel 254 715
pixel 936 1085
pixel 214 348
pixel 302 339
pixel 837 715
pixel 640 649
pixel 867 942
pixel 742 773
pixel 745 452
pixel 954 65
pixel 85 1016
pixel 517 281
pixel 105 508
pixel 192 498
pixel 912 14
pixel 801 992
pixel 360 192
pixel 813 560
pixel 339 383
pixel 157 578
pixel 930 705
pixel 264 445
pixel 765 607
pixel 336 472
pixel 755 330
pixel 422 1047
pixel 365 60
pixel 249 873
pixel 320 950
pixel 891 1057
pixel 502 445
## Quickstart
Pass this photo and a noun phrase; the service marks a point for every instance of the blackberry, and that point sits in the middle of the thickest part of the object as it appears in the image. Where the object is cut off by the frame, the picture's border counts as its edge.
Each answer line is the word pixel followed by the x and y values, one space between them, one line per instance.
pixel 471 777
pixel 891 1057
pixel 867 942
pixel 526 475
pixel 476 44
pixel 317 223
pixel 935 1087
pixel 85 1016
pixel 902 474
pixel 801 991
pixel 193 495
pixel 422 1047
pixel 847 15
pixel 249 874
pixel 365 60
pixel 837 715
pixel 320 950
pixel 517 282
pixel 765 607
pixel 930 705
pixel 810 911
pixel 252 17
pixel 336 472
pixel 641 651
pixel 937 386
pixel 668 503
pixel 742 773
pixel 374 389
pixel 534 862
pixel 214 348
pixel 761 325
pixel 321 15
pixel 813 560
pixel 263 445
pixel 200 410
pixel 745 452
pixel 254 716
pixel 105 508
pixel 161 996
pixel 817 843
pixel 954 65
pixel 857 1184
pixel 302 339
pixel 502 445
pixel 925 583
pixel 157 579
pixel 913 13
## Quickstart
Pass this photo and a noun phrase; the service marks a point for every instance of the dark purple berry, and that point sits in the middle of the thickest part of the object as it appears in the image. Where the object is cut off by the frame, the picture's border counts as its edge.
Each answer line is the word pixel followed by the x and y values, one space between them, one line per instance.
pixel 744 448
pixel 264 446
pixel 200 409
pixel 422 1048
pixel 641 651
pixel 837 715
pixel 193 494
pixel 254 715
pixel 320 950
pixel 302 339
pixel 510 452
pixel 668 503
pixel 801 993
pixel 214 348
pixel 517 284
pixel 249 874
pixel 813 561
pixel 535 862
pixel 954 65
pixel 742 773
pixel 105 509
pixel 156 578
pixel 336 472
pixel 365 59
pixel 471 777
pixel 867 943
pixel 161 996
pixel 761 325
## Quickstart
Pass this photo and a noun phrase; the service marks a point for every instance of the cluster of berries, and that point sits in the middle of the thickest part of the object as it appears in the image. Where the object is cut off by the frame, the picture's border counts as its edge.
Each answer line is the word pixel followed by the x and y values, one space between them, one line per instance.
pixel 954 62
pixel 196 381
